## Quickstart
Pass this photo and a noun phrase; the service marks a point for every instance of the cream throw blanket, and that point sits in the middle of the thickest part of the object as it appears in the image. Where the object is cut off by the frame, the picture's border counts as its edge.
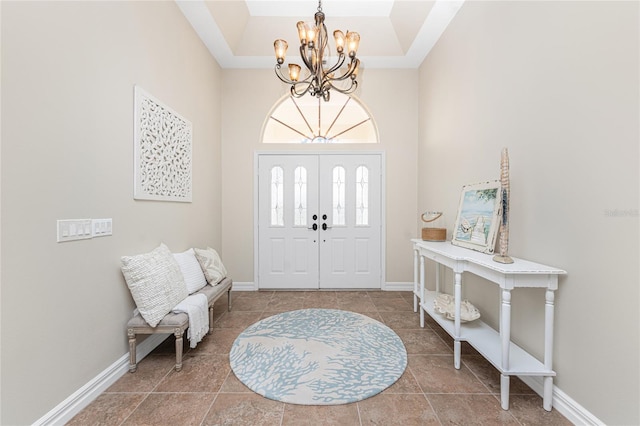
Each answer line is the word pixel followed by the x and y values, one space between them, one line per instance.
pixel 196 307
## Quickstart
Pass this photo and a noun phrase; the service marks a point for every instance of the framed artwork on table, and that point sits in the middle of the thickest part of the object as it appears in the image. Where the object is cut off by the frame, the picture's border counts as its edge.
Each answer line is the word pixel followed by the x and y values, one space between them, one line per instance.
pixel 478 217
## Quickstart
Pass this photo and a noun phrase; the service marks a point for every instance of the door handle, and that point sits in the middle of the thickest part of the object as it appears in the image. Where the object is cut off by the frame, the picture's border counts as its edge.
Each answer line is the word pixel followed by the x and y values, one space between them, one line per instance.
pixel 325 227
pixel 314 227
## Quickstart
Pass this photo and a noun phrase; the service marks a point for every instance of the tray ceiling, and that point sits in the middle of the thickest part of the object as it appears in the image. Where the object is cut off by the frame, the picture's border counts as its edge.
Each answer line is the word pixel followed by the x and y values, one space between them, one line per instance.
pixel 394 34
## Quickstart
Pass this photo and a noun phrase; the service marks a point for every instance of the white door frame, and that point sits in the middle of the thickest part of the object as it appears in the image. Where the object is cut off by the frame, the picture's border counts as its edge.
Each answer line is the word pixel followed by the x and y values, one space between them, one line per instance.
pixel 383 222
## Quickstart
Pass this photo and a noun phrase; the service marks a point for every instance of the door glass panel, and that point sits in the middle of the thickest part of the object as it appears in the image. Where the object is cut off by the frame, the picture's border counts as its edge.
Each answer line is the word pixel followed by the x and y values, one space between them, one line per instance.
pixel 362 196
pixel 338 196
pixel 277 196
pixel 300 197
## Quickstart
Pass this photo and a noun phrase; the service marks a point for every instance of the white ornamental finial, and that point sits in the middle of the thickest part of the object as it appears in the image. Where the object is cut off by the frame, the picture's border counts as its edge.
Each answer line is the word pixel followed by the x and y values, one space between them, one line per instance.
pixel 503 242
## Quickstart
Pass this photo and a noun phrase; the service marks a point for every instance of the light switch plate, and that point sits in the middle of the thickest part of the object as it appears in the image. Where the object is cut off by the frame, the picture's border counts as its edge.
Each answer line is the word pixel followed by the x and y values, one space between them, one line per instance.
pixel 102 227
pixel 73 229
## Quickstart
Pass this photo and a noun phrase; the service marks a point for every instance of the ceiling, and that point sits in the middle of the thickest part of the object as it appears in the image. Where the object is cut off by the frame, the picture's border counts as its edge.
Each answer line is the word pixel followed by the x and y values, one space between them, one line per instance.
pixel 394 33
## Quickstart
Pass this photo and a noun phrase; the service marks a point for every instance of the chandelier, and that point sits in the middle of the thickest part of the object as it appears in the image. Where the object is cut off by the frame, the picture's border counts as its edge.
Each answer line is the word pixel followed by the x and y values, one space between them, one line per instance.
pixel 315 53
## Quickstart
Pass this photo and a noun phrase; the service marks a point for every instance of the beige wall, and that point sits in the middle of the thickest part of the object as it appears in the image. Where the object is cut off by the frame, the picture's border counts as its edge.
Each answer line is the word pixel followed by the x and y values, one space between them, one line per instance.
pixel 68 72
pixel 556 83
pixel 249 95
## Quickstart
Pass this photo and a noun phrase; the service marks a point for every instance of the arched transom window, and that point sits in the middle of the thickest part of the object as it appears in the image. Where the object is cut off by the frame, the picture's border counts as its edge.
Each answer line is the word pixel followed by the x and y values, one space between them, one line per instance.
pixel 342 119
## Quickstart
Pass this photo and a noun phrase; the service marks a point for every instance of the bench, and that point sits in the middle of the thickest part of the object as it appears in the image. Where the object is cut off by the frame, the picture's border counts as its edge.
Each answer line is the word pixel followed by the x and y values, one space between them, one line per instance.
pixel 175 323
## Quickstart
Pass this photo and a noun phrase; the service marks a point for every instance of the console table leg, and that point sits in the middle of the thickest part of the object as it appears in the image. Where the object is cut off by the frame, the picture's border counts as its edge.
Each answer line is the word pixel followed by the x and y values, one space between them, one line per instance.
pixel 548 348
pixel 421 290
pixel 415 281
pixel 504 391
pixel 547 396
pixel 505 327
pixel 457 288
pixel 456 354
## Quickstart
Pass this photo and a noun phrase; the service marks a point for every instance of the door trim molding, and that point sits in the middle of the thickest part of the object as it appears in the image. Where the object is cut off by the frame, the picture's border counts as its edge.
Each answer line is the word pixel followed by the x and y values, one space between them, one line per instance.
pixel 320 152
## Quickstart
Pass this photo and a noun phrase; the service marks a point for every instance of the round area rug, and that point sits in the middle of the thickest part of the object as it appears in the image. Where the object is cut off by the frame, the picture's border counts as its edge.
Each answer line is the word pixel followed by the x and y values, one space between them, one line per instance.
pixel 318 357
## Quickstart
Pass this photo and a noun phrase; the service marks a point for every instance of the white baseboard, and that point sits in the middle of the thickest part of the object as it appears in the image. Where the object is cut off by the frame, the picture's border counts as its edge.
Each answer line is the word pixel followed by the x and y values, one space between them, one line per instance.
pixel 568 407
pixel 397 286
pixel 389 286
pixel 71 406
pixel 244 286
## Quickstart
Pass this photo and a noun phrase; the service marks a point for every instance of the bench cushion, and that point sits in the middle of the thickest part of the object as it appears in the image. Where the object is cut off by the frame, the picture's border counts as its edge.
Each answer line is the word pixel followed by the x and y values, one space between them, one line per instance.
pixel 170 320
pixel 215 291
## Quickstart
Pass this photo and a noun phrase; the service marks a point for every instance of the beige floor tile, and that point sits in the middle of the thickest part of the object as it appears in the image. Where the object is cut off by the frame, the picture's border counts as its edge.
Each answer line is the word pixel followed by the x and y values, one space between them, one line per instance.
pixel 401 320
pixel 373 314
pixel 267 314
pixel 151 370
pixel 397 409
pixel 321 300
pixel 408 296
pixel 168 346
pixel 466 349
pixel 470 410
pixel 436 374
pixel 490 376
pixel 285 302
pixel 171 409
pixel 200 373
pixel 379 294
pixel 405 384
pixel 108 409
pixel 218 342
pixel 244 409
pixel 237 319
pixel 233 385
pixel 529 412
pixel 326 415
pixel 250 304
pixel 423 342
pixel 397 303
pixel 430 322
pixel 359 305
pixel 320 304
pixel 321 295
pixel 222 305
pixel 261 294
pixel 353 294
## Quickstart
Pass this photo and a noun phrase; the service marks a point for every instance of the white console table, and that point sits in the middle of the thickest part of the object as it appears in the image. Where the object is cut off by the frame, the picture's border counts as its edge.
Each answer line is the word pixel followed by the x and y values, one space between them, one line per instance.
pixel 496 347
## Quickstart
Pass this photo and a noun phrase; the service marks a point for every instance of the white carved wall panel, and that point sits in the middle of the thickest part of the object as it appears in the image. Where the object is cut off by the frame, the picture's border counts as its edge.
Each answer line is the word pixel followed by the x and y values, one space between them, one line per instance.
pixel 163 162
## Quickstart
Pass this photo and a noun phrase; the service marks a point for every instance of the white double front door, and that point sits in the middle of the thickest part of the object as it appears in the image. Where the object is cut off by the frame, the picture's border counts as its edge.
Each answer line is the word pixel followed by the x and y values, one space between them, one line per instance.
pixel 319 221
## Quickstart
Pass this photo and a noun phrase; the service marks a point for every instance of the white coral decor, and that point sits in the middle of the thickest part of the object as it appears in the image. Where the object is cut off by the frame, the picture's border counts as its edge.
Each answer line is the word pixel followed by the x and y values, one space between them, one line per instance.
pixel 445 304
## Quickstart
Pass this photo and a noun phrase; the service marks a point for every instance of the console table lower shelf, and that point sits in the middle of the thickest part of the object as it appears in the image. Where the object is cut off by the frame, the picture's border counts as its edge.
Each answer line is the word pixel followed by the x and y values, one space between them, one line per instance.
pixel 487 342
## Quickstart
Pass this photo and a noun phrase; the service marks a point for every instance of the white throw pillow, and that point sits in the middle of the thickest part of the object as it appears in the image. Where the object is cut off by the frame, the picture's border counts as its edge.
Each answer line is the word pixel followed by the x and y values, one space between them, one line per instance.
pixel 155 282
pixel 191 271
pixel 211 265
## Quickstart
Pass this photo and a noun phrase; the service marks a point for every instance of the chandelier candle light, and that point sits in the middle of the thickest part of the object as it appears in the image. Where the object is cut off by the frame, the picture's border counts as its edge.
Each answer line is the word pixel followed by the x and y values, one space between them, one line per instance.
pixel 315 51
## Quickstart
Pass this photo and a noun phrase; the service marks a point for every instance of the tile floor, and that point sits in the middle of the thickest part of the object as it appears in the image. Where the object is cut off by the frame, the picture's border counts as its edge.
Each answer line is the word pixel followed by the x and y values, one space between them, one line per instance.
pixel 206 392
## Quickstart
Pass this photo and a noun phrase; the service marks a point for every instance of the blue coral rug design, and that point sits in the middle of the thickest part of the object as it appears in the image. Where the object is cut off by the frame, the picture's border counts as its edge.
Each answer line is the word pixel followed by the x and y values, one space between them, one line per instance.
pixel 318 357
